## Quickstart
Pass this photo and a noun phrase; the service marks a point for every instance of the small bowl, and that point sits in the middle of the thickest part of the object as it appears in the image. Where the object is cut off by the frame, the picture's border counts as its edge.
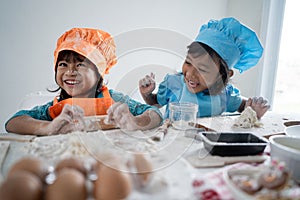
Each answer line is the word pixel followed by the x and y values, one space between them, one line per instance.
pixel 287 149
pixel 293 131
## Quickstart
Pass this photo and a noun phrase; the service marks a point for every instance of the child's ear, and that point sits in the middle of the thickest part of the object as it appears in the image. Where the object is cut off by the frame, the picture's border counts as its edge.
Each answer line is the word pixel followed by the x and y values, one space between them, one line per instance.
pixel 230 73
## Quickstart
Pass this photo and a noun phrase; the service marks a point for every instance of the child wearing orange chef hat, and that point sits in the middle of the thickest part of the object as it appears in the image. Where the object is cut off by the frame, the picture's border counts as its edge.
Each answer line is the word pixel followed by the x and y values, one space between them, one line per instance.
pixel 81 58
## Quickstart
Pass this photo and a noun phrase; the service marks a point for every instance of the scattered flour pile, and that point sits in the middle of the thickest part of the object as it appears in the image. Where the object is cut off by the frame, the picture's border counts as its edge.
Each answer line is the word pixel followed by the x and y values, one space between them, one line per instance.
pixel 248 119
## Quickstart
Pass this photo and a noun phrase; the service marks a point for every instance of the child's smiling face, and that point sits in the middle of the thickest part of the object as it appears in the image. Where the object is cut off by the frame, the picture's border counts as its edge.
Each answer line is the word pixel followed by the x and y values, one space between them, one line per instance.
pixel 200 73
pixel 77 76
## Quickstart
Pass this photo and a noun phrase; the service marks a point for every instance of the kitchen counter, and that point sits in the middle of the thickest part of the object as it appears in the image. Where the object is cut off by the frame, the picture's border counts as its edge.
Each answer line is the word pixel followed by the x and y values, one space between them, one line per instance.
pixel 179 162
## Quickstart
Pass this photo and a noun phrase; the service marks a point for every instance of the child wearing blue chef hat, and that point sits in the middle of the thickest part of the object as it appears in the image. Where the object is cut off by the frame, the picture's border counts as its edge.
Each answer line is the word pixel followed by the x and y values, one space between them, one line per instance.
pixel 220 46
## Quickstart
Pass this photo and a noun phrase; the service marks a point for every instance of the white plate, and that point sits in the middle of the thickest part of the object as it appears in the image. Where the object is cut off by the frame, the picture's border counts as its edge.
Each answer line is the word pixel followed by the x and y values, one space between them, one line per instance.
pixel 237 192
pixel 290 191
pixel 293 131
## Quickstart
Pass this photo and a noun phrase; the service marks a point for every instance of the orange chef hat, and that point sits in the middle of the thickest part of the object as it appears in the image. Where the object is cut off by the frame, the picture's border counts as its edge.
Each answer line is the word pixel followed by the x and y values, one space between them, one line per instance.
pixel 96 45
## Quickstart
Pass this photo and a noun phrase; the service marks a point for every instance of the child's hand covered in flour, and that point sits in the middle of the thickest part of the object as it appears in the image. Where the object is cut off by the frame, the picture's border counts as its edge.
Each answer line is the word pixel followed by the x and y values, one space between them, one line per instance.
pixel 70 119
pixel 119 115
pixel 147 84
pixel 259 105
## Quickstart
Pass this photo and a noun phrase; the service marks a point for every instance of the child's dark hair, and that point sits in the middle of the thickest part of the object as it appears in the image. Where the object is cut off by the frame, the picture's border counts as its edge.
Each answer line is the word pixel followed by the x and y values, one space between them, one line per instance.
pixel 67 55
pixel 197 49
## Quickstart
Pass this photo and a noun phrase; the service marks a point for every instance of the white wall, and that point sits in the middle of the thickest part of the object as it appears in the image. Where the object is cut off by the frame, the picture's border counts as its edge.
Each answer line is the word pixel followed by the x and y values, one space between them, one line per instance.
pixel 29 30
pixel 247 81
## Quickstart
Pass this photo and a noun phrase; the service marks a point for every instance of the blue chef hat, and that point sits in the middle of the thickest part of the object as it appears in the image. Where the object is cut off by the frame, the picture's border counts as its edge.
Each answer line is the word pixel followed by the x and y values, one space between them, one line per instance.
pixel 235 43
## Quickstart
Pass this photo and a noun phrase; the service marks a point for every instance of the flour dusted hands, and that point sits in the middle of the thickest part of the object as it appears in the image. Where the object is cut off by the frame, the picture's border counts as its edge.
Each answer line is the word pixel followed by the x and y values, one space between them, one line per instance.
pixel 147 84
pixel 70 119
pixel 259 105
pixel 118 114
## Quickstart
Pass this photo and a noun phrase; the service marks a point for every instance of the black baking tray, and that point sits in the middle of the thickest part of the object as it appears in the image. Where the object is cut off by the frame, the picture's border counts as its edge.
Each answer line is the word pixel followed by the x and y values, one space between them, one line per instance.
pixel 233 144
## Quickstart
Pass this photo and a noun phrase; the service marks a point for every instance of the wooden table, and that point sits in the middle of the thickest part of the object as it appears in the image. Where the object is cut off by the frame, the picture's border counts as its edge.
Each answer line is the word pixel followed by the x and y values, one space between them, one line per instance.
pixel 175 159
pixel 172 173
pixel 273 123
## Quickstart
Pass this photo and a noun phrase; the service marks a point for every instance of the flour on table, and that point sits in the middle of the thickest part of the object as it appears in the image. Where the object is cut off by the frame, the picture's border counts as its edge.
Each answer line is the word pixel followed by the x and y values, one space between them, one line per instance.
pixel 50 147
pixel 247 119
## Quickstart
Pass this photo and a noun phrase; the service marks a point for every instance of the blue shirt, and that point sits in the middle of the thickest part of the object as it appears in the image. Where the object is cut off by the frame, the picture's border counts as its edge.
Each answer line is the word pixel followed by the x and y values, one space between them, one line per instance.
pixel 136 108
pixel 173 89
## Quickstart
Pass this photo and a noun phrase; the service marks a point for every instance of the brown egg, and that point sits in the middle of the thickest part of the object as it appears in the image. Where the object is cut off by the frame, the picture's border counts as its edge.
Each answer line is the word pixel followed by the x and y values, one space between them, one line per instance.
pixel 95 166
pixel 71 162
pixel 21 185
pixel 31 164
pixel 112 184
pixel 69 184
pixel 143 169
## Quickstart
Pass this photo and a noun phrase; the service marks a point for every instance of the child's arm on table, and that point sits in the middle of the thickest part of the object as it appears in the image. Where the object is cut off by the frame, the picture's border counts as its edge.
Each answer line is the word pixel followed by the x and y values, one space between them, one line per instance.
pixel 120 115
pixel 70 119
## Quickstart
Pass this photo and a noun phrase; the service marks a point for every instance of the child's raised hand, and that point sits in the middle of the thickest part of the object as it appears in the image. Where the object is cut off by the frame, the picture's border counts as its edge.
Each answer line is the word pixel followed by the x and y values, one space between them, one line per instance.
pixel 259 105
pixel 147 84
pixel 70 119
pixel 119 115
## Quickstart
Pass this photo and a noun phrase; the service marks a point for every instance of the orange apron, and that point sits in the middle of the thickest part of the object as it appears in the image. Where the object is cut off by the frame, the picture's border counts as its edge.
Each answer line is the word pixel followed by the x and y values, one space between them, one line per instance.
pixel 91 106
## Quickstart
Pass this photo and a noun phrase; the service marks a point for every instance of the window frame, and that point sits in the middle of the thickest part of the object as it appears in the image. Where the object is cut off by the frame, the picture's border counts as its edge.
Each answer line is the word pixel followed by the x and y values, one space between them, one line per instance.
pixel 271 30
